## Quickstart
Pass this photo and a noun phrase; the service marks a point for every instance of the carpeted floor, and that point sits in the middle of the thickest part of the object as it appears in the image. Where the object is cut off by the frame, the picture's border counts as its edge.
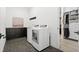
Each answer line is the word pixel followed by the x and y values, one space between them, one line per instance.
pixel 21 45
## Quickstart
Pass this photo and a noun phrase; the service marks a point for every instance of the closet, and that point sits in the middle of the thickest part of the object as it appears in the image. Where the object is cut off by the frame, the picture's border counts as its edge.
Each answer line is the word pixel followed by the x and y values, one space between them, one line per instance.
pixel 70 30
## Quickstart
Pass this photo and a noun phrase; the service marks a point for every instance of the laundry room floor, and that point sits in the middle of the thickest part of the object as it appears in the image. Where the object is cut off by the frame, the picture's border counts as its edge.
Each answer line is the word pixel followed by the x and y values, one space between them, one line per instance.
pixel 21 45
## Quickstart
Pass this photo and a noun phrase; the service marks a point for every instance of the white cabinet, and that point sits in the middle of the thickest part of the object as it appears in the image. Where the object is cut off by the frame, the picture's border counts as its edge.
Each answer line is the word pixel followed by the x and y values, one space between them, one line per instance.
pixel 2 43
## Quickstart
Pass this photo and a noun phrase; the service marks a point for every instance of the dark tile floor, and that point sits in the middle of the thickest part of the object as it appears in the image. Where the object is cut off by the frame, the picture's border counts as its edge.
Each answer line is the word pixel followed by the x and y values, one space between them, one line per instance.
pixel 21 45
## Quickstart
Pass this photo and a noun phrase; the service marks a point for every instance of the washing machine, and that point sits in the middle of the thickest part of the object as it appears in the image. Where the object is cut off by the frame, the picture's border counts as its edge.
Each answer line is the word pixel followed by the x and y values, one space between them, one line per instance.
pixel 40 38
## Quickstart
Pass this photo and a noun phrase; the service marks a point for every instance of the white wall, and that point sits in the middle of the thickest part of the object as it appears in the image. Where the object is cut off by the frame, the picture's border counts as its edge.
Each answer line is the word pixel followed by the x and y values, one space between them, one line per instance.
pixel 49 16
pixel 2 19
pixel 22 12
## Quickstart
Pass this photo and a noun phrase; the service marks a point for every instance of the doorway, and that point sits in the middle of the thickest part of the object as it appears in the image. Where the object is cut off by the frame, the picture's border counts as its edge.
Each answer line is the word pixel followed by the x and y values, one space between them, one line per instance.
pixel 69 24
